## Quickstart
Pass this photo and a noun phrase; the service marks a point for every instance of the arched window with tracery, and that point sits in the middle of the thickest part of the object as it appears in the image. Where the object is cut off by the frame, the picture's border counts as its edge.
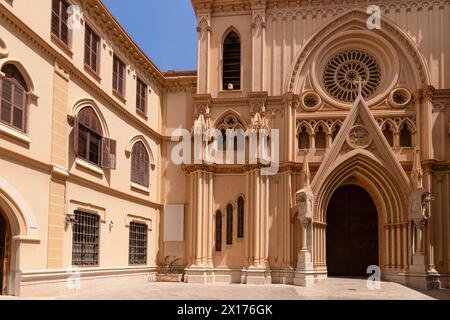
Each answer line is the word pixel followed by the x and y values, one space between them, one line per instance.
pixel 241 217
pixel 406 140
pixel 232 62
pixel 13 98
pixel 230 224
pixel 140 165
pixel 90 143
pixel 321 138
pixel 219 230
pixel 303 138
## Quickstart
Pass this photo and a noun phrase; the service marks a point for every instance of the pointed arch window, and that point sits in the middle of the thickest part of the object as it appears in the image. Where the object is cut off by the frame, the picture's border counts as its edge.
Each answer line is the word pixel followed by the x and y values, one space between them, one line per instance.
pixel 388 134
pixel 303 138
pixel 405 136
pixel 230 224
pixel 232 62
pixel 336 130
pixel 241 217
pixel 89 141
pixel 13 98
pixel 140 165
pixel 219 231
pixel 321 138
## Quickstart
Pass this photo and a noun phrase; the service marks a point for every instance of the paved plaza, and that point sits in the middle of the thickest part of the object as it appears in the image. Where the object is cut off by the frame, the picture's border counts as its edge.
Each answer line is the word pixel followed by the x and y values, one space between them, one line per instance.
pixel 330 289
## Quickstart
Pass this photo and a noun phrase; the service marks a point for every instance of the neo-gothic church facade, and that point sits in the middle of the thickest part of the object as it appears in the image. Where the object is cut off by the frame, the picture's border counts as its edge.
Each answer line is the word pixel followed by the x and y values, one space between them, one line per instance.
pixel 358 123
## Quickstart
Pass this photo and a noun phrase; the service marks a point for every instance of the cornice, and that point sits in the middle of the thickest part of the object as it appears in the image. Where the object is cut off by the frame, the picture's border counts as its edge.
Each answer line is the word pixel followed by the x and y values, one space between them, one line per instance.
pixel 117 34
pixel 60 173
pixel 180 81
pixel 285 7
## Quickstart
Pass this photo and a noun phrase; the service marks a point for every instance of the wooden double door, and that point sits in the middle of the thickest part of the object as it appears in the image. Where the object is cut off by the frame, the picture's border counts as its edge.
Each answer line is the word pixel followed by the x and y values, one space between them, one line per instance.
pixel 352 232
pixel 5 253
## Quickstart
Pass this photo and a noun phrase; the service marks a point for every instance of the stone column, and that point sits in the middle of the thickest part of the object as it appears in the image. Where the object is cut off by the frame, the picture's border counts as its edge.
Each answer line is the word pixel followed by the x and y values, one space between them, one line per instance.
pixel 304 274
pixel 259 270
pixel 201 225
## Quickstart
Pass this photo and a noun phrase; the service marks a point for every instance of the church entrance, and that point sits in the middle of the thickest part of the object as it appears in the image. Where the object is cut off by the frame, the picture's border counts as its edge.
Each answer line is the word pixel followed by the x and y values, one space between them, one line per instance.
pixel 352 232
pixel 4 253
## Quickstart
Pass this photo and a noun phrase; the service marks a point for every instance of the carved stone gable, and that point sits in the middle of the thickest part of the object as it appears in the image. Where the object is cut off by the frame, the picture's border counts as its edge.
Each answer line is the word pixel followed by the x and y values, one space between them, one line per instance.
pixel 360 133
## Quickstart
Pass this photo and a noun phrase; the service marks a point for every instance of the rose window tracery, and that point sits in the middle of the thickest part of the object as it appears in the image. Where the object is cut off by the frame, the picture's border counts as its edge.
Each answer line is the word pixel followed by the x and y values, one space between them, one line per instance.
pixel 345 69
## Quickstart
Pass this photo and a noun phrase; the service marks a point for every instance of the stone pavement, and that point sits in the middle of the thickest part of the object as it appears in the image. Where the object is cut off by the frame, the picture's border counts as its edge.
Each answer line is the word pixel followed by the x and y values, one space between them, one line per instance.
pixel 330 289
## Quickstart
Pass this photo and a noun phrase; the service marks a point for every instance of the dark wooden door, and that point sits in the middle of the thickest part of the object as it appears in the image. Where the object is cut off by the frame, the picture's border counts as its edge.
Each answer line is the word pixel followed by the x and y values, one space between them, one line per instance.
pixel 352 232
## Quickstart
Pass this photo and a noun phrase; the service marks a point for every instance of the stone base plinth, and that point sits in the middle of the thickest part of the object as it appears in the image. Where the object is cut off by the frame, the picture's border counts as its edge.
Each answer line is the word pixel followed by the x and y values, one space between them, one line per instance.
pixel 423 281
pixel 258 276
pixel 199 274
pixel 304 279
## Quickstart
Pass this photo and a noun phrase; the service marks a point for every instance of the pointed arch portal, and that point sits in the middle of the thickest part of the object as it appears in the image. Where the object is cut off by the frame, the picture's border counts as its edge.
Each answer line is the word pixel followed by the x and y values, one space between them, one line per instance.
pixel 352 232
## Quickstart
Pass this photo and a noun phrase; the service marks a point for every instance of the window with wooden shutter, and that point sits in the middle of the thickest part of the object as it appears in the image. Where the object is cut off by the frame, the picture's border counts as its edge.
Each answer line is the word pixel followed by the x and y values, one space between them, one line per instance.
pixel 13 98
pixel 109 147
pixel 88 136
pixel 60 18
pixel 118 76
pixel 232 62
pixel 230 224
pixel 140 165
pixel 240 217
pixel 141 97
pixel 91 49
pixel 218 231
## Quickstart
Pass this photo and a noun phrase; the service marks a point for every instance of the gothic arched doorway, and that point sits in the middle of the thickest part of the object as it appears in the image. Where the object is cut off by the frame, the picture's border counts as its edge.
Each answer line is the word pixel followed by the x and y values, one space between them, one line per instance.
pixel 5 239
pixel 352 232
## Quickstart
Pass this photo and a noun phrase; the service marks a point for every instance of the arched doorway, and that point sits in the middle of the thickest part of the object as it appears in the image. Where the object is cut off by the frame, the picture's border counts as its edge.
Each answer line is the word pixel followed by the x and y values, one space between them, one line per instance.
pixel 4 253
pixel 352 232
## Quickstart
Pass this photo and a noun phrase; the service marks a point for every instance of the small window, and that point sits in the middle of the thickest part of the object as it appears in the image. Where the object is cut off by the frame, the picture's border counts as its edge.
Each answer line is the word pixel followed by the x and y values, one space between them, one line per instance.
pixel 89 143
pixel 141 97
pixel 85 243
pixel 303 139
pixel 218 231
pixel 405 136
pixel 387 132
pixel 91 49
pixel 229 224
pixel 321 138
pixel 13 98
pixel 118 76
pixel 60 17
pixel 140 164
pixel 336 130
pixel 240 217
pixel 232 62
pixel 138 244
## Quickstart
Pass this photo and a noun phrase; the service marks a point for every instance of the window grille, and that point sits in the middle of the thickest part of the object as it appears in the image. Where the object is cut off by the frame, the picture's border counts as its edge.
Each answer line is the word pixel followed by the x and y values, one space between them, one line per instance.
pixel 85 250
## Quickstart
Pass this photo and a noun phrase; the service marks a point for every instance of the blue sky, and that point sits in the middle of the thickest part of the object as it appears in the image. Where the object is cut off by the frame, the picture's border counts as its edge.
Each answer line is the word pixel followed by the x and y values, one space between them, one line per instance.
pixel 164 29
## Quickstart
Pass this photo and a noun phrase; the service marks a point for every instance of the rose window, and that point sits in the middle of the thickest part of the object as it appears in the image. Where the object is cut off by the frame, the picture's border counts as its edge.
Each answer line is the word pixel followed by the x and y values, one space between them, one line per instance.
pixel 346 69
